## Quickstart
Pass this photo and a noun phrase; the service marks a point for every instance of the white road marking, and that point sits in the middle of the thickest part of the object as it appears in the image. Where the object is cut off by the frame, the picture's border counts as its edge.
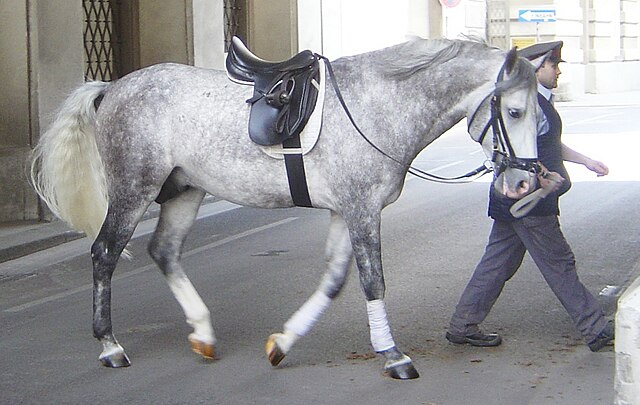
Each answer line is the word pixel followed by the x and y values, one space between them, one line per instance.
pixel 212 245
pixel 80 247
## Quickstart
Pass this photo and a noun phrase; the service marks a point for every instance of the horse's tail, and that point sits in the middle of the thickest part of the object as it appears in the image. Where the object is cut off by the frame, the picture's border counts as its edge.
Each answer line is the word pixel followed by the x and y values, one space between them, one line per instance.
pixel 66 168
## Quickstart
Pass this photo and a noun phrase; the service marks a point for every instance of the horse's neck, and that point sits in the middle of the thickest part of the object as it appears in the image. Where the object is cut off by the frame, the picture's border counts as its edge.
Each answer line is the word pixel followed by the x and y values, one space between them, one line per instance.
pixel 418 109
pixel 457 99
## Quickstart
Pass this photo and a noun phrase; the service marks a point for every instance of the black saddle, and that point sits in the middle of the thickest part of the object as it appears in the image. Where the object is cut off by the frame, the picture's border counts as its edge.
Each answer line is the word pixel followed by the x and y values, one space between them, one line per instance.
pixel 284 93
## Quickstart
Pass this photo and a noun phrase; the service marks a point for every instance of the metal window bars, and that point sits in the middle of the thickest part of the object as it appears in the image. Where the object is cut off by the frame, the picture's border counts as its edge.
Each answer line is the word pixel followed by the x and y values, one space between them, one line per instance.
pixel 232 11
pixel 99 40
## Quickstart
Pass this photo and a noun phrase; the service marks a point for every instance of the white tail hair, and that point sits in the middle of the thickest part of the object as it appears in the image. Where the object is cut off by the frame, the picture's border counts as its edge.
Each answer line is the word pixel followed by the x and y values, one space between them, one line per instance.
pixel 66 168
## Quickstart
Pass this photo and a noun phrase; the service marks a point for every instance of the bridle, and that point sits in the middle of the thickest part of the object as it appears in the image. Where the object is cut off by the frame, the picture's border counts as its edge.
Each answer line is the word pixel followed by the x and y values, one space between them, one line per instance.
pixel 503 156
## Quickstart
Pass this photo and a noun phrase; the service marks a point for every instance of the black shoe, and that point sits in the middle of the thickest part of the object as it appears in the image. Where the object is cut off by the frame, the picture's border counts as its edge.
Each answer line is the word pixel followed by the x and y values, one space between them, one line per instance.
pixel 604 338
pixel 476 339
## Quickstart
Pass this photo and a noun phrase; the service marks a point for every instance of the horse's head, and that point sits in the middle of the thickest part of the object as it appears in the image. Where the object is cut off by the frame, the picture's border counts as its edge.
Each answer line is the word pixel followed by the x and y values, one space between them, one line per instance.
pixel 504 122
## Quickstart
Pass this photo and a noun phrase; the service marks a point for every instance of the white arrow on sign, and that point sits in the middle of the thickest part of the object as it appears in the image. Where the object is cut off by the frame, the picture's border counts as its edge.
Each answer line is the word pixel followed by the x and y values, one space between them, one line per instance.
pixel 547 15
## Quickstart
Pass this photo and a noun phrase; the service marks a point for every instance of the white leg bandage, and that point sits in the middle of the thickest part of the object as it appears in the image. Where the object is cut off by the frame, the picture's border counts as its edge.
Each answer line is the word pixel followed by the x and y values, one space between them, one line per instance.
pixel 381 338
pixel 305 317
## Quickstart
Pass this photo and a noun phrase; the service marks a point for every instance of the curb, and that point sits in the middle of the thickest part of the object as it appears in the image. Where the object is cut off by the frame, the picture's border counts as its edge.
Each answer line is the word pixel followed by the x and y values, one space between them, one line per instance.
pixel 33 246
pixel 23 240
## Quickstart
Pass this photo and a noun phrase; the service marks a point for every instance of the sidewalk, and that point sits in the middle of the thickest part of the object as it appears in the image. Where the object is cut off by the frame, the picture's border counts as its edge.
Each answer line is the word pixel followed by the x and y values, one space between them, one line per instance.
pixel 21 239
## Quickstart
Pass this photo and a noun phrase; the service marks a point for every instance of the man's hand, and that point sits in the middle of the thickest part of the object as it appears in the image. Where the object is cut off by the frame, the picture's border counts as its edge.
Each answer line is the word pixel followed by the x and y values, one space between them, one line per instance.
pixel 549 181
pixel 595 166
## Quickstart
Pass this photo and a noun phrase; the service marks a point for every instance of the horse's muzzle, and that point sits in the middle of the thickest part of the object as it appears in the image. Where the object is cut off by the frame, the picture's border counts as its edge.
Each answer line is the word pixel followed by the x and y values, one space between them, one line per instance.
pixel 516 177
pixel 515 183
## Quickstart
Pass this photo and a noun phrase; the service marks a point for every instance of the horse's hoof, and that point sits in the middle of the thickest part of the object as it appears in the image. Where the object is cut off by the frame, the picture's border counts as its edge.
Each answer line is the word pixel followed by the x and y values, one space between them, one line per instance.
pixel 274 352
pixel 404 371
pixel 115 360
pixel 204 349
pixel 399 365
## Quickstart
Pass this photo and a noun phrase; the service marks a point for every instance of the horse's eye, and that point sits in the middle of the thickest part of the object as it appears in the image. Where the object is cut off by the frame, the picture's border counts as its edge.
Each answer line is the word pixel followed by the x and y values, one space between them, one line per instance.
pixel 514 113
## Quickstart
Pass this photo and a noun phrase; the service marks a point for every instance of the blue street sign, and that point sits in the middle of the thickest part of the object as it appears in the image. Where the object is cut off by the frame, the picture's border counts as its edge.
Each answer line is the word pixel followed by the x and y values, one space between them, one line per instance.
pixel 537 15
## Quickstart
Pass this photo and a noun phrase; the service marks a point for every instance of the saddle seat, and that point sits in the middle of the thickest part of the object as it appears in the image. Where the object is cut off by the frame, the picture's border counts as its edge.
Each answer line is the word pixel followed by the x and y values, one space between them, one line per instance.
pixel 284 93
pixel 244 66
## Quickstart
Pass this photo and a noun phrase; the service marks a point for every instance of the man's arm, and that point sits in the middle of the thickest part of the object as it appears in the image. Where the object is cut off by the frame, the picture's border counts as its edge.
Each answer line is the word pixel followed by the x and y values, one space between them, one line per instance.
pixel 571 155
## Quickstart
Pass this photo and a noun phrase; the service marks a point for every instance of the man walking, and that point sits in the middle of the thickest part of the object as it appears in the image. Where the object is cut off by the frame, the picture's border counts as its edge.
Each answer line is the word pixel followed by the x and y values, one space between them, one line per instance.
pixel 538 232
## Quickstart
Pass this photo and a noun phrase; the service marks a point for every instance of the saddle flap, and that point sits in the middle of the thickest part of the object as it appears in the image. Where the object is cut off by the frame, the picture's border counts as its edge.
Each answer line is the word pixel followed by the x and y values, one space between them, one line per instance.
pixel 262 124
pixel 282 112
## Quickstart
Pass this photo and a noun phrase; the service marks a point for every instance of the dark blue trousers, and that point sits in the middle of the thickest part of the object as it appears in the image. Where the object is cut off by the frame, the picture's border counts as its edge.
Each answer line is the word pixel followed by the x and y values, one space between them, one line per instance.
pixel 508 242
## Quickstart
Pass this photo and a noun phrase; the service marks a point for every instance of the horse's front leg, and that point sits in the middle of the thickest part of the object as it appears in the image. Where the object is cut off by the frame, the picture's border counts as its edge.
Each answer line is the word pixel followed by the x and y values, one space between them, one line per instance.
pixel 339 255
pixel 176 218
pixel 365 237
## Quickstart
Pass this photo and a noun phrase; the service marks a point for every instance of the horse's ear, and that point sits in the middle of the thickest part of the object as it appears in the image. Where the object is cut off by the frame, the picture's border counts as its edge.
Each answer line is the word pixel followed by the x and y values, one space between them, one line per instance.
pixel 510 62
pixel 540 60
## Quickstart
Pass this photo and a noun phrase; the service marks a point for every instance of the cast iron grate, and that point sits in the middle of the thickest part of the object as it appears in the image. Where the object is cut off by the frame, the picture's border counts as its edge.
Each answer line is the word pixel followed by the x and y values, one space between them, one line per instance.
pixel 232 11
pixel 99 40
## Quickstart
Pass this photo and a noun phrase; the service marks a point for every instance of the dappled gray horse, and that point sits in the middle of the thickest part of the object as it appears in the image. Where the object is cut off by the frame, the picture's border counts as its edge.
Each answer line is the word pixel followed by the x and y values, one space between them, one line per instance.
pixel 99 169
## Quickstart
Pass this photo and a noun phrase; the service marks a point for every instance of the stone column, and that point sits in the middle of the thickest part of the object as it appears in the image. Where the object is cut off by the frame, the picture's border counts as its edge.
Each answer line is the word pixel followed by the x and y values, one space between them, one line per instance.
pixel 42 47
pixel 627 380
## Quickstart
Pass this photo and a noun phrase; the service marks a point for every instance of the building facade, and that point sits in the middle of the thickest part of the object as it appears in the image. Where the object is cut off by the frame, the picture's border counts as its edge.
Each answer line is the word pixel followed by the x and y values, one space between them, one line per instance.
pixel 601 39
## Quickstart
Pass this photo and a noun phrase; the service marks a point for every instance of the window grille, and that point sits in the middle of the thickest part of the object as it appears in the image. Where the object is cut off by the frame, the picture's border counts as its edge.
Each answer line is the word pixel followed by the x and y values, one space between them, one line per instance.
pixel 232 16
pixel 99 40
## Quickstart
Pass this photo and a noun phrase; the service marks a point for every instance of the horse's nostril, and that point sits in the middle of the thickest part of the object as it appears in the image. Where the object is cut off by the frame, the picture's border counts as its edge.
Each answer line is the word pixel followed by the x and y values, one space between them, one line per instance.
pixel 523 186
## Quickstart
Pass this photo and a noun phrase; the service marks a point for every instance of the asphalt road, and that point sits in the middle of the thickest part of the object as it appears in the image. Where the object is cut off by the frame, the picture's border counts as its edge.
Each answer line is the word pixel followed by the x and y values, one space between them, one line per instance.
pixel 254 268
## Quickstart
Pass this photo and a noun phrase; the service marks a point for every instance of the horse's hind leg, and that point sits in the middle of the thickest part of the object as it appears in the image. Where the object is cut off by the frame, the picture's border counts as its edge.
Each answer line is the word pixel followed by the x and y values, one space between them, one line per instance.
pixel 176 218
pixel 122 217
pixel 339 256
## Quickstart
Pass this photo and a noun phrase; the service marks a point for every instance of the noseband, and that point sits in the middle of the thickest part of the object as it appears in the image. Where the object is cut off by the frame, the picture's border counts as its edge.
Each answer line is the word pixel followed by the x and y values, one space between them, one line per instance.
pixel 504 156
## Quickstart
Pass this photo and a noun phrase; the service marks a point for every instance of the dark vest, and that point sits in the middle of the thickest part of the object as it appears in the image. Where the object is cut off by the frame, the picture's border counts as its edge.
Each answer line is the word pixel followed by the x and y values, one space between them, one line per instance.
pixel 550 155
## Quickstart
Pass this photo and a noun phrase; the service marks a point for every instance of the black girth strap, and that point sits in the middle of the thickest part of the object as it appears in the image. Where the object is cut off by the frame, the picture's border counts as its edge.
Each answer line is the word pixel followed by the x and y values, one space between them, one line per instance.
pixel 294 164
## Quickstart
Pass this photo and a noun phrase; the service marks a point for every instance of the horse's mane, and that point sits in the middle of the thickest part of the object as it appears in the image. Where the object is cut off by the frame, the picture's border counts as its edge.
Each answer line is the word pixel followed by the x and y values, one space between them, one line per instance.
pixel 406 59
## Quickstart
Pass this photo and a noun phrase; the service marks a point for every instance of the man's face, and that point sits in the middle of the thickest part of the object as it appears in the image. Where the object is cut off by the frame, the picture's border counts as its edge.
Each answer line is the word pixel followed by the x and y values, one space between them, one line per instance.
pixel 548 74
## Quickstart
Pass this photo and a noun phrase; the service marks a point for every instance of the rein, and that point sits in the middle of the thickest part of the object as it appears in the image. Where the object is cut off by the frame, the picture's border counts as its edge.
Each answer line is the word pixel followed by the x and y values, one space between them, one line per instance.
pixel 465 178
